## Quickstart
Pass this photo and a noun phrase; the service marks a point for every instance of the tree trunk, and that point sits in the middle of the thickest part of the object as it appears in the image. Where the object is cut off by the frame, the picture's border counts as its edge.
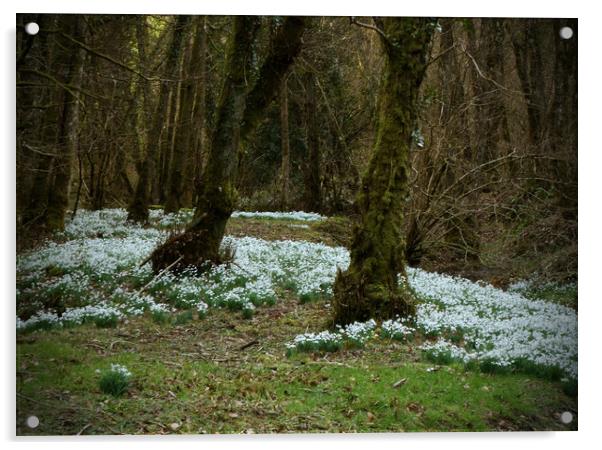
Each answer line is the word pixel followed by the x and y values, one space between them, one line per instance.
pixel 58 195
pixel 47 131
pixel 159 188
pixel 200 108
pixel 238 113
pixel 285 145
pixel 313 189
pixel 138 210
pixel 182 155
pixel 371 287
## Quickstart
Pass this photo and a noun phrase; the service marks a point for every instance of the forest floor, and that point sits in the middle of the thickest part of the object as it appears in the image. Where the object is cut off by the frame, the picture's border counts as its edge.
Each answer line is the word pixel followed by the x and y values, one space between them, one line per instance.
pixel 231 364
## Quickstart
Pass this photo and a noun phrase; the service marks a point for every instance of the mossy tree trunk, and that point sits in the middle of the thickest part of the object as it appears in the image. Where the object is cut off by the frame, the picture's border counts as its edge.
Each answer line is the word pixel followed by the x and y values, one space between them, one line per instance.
pixel 370 288
pixel 138 210
pixel 238 112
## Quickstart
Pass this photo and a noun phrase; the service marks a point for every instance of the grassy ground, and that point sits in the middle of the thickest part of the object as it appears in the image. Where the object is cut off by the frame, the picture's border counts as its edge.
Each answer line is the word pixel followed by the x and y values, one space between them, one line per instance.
pixel 199 377
pixel 278 229
pixel 227 374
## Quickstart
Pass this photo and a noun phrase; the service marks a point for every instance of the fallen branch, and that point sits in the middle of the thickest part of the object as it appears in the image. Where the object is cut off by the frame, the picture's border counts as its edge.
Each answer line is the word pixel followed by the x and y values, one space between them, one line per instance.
pixel 249 344
pixel 160 274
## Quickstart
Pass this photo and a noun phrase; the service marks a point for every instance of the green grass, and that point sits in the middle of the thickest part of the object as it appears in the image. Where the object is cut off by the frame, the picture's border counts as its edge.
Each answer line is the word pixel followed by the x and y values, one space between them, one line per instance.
pixel 183 318
pixel 160 317
pixel 565 295
pixel 113 383
pixel 196 375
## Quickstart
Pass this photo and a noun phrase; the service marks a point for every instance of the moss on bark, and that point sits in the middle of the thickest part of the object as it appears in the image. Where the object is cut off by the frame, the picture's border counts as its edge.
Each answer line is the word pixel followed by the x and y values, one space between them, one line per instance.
pixel 370 287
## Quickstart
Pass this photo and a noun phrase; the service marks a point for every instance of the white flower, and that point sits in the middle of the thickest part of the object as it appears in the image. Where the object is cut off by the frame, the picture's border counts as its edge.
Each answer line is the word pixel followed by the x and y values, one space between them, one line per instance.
pixel 122 370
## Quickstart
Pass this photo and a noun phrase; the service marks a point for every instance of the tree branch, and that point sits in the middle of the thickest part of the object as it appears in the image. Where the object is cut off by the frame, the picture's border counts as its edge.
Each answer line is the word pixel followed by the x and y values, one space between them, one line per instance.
pixel 108 58
pixel 353 21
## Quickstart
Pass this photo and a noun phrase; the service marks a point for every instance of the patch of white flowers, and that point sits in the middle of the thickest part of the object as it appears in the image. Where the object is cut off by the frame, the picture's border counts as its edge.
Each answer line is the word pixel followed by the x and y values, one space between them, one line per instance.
pixel 443 347
pixel 98 269
pixel 354 335
pixel 396 329
pixel 121 370
pixel 500 326
pixel 357 333
pixel 310 342
pixel 292 215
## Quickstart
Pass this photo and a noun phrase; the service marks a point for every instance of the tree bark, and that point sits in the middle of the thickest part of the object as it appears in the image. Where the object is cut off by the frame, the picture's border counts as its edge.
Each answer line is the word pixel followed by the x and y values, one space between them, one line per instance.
pixel 239 111
pixel 375 286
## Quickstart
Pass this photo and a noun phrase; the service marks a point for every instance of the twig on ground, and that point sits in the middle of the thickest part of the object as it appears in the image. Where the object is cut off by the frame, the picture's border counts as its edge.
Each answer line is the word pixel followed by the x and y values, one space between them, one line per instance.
pixel 160 274
pixel 249 344
pixel 83 429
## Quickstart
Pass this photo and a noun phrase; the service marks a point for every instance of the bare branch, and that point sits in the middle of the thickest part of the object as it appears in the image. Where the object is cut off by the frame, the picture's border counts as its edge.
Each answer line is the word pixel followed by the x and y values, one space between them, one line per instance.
pixel 353 21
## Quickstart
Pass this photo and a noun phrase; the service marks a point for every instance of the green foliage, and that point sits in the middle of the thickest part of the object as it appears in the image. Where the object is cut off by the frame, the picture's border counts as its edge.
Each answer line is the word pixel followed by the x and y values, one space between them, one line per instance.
pixel 308 297
pixel 114 383
pixel 160 317
pixel 570 387
pixel 439 357
pixel 183 318
pixel 248 313
pixel 562 294
pixel 109 321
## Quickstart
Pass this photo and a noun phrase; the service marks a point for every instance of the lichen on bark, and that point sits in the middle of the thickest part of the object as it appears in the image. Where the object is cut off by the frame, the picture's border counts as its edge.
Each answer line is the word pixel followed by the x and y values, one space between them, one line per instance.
pixel 374 285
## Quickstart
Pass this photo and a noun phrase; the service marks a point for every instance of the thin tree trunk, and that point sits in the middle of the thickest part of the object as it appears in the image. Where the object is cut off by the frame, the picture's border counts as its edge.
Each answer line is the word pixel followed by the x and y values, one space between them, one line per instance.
pixel 313 189
pixel 138 210
pixel 200 109
pixel 183 149
pixel 167 145
pixel 370 288
pixel 285 145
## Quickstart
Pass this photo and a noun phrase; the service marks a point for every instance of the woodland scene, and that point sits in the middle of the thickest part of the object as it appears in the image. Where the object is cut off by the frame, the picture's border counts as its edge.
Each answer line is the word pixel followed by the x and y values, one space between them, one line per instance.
pixel 284 224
